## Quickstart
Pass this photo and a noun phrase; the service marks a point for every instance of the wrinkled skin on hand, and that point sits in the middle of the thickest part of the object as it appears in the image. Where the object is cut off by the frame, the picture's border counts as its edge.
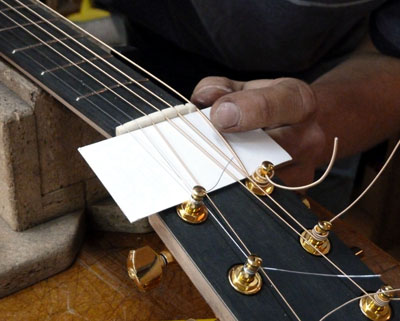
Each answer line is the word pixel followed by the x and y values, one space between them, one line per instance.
pixel 285 108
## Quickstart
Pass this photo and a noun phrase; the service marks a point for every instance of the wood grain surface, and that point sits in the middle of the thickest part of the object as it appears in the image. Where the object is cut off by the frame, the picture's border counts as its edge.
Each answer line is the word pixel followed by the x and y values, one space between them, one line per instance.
pixel 96 286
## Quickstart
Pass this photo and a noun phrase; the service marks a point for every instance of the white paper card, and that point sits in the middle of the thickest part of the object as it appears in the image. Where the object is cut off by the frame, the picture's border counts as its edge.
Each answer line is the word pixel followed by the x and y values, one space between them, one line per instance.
pixel 143 174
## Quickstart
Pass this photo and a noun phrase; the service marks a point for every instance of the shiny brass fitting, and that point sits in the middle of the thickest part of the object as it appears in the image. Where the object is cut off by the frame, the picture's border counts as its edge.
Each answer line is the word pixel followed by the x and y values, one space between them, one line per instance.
pixel 145 267
pixel 194 211
pixel 245 278
pixel 376 307
pixel 259 177
pixel 317 238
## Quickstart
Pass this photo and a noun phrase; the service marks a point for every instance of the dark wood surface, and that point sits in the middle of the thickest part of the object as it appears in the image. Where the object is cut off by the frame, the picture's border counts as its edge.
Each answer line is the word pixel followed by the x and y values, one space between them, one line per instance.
pixel 96 286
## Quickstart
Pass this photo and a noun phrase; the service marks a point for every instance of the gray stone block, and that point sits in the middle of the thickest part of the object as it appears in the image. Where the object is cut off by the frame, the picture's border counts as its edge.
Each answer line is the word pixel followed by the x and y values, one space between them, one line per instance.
pixel 35 254
pixel 42 175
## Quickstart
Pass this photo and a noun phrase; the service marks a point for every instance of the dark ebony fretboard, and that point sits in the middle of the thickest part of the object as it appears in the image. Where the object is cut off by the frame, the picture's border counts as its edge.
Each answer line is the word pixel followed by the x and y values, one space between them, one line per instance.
pixel 67 67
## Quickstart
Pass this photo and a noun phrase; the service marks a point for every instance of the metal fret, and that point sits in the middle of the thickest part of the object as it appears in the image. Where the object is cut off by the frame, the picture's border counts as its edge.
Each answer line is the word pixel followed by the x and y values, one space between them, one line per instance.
pixel 75 64
pixel 68 83
pixel 46 42
pixel 97 92
pixel 29 24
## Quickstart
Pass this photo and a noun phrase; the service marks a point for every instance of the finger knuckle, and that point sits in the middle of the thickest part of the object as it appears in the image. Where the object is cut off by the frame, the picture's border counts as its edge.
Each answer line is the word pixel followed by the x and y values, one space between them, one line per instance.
pixel 306 97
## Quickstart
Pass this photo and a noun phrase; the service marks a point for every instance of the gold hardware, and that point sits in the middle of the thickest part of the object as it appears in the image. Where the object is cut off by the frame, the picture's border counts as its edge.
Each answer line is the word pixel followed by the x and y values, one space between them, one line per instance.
pixel 145 267
pixel 266 168
pixel 317 238
pixel 194 211
pixel 376 307
pixel 245 278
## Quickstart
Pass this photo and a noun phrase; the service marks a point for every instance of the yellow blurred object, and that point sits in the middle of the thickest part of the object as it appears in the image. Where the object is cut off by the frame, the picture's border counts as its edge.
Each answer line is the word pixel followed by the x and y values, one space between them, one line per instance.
pixel 87 13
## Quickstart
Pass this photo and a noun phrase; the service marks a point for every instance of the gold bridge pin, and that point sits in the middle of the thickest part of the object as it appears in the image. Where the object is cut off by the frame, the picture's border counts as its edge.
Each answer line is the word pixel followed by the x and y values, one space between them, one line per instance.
pixel 194 211
pixel 245 278
pixel 376 306
pixel 259 177
pixel 317 238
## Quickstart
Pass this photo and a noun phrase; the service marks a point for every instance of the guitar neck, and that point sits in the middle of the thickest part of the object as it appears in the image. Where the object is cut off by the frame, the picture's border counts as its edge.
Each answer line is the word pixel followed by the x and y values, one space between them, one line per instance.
pixel 74 68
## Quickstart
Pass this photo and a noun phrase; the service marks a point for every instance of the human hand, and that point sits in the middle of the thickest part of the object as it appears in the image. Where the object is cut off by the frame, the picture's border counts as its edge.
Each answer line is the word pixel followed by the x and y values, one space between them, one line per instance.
pixel 285 107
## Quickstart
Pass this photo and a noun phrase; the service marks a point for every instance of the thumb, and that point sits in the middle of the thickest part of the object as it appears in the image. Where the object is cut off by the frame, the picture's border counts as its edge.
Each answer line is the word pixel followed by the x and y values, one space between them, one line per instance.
pixel 286 101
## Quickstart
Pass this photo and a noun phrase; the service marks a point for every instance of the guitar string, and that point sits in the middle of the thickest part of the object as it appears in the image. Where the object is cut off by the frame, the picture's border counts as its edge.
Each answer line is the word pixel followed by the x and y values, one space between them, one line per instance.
pixel 194 128
pixel 269 268
pixel 236 178
pixel 124 86
pixel 91 76
pixel 229 147
pixel 263 272
pixel 355 299
pixel 183 133
pixel 102 71
pixel 320 180
pixel 276 289
pixel 370 184
pixel 283 298
pixel 314 184
pixel 145 147
pixel 142 87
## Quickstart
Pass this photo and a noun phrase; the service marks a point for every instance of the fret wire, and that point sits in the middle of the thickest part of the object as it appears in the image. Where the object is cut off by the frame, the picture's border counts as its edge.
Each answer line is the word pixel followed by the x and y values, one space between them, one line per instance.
pixel 70 64
pixel 117 121
pixel 131 62
pixel 108 88
pixel 180 115
pixel 264 203
pixel 66 84
pixel 48 42
pixel 183 118
pixel 112 87
pixel 157 96
pixel 78 80
pixel 267 276
pixel 69 60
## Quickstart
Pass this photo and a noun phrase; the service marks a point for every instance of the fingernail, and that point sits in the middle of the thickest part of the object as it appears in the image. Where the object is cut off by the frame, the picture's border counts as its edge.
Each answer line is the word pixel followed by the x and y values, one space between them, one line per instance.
pixel 227 115
pixel 206 95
